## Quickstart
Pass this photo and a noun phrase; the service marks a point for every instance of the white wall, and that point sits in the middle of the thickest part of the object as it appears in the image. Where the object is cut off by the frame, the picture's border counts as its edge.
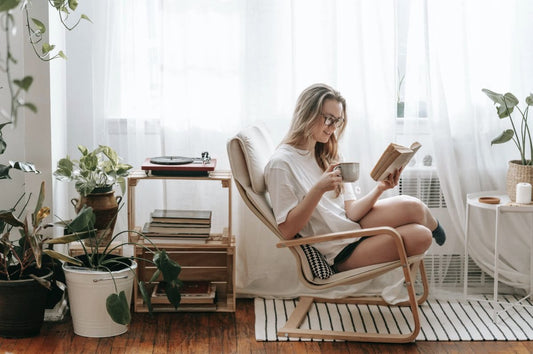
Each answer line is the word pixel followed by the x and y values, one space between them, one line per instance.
pixel 31 138
pixel 38 140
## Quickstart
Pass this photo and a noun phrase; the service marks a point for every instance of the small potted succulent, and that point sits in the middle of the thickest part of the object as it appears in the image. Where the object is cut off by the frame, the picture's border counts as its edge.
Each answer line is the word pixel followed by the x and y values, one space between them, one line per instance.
pixel 519 170
pixel 95 174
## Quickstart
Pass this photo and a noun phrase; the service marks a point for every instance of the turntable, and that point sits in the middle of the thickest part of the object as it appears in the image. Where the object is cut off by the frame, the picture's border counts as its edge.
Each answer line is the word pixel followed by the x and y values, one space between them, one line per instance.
pixel 180 165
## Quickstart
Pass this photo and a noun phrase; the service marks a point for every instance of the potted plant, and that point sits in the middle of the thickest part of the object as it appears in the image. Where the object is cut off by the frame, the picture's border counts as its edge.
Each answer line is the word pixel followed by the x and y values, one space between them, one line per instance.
pixel 26 274
pixel 100 282
pixel 95 174
pixel 520 170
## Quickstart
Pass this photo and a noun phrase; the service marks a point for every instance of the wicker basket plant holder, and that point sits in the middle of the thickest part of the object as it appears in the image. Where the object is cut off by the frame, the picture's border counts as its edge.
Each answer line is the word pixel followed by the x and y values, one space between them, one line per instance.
pixel 517 173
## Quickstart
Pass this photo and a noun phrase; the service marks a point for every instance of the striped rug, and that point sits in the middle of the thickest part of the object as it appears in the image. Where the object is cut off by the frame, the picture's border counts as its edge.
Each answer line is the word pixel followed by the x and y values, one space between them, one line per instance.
pixel 441 320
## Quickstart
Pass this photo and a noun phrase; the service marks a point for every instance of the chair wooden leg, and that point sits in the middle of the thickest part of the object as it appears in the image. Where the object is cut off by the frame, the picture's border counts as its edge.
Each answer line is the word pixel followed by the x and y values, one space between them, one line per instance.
pixel 292 326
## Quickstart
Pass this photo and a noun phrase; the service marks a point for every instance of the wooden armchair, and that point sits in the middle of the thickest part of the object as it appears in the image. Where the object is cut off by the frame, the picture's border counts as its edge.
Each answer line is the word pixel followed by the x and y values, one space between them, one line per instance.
pixel 248 152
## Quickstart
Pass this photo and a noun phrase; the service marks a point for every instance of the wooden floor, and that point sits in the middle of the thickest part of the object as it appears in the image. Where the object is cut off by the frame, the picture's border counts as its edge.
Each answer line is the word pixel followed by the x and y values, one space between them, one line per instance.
pixel 219 333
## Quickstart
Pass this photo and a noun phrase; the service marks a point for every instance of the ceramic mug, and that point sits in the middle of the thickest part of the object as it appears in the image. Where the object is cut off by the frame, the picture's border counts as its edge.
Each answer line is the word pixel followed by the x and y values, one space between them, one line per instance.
pixel 349 171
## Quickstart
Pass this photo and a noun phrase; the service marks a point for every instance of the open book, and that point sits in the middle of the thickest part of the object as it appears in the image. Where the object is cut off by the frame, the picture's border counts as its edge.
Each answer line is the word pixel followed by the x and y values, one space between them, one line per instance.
pixel 394 157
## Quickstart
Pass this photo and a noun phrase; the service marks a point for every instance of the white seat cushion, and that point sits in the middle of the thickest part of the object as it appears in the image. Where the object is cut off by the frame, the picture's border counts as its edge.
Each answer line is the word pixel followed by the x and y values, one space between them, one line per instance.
pixel 257 148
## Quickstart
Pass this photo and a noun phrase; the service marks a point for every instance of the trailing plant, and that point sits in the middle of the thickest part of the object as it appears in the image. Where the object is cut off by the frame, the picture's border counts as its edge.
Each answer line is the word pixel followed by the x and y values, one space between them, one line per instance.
pixel 17 87
pixel 520 133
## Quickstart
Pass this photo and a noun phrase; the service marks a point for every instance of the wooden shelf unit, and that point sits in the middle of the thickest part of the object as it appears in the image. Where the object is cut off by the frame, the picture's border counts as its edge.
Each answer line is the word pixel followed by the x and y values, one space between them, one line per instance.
pixel 213 261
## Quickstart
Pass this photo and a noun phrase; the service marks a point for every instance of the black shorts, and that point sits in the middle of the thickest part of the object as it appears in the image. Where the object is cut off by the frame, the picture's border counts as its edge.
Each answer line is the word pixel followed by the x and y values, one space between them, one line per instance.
pixel 346 252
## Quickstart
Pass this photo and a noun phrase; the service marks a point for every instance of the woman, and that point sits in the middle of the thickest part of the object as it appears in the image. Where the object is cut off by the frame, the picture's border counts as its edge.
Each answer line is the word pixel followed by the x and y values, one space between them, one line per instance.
pixel 309 198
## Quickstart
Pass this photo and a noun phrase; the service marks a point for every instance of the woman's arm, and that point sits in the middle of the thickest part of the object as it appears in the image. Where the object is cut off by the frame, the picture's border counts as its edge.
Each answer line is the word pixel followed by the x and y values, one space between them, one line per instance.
pixel 299 216
pixel 357 209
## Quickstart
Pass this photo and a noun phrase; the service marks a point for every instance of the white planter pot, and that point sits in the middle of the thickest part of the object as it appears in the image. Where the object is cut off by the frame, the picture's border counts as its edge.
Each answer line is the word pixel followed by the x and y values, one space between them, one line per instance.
pixel 87 292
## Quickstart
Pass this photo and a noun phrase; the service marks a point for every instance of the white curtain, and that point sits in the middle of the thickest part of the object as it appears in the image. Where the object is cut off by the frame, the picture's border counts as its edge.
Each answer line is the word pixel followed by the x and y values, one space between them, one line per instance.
pixel 487 46
pixel 154 78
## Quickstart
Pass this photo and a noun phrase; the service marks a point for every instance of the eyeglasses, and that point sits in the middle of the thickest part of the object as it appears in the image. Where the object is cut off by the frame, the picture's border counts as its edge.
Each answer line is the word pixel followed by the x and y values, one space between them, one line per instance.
pixel 330 120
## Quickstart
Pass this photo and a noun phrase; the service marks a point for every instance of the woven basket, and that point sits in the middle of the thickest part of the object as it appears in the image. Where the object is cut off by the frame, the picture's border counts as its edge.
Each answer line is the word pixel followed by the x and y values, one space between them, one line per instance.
pixel 517 173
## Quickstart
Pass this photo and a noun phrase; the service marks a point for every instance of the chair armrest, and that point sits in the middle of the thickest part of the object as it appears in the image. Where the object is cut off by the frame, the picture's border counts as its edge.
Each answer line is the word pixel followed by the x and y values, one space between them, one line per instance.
pixel 369 232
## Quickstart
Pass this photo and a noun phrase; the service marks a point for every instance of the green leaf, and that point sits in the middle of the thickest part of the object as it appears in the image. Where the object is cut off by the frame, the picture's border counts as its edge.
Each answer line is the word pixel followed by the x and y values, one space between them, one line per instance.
pixel 73 4
pixel 3 145
pixel 84 221
pixel 62 55
pixel 504 103
pixel 89 162
pixel 65 166
pixel 84 151
pixel 63 257
pixel 6 5
pixel 504 137
pixel 83 16
pixel 145 295
pixel 173 294
pixel 40 26
pixel 529 99
pixel 25 83
pixel 8 217
pixel 170 271
pixel 118 309
pixel 4 124
pixel 24 166
pixel 4 172
pixel 37 218
pixel 30 106
pixel 510 100
pixel 75 236
pixel 168 267
pixel 47 48
pixel 494 96
pixel 57 4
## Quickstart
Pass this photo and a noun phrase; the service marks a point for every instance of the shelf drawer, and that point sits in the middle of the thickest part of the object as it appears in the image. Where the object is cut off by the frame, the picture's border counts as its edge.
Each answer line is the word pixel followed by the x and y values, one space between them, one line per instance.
pixel 199 258
pixel 189 273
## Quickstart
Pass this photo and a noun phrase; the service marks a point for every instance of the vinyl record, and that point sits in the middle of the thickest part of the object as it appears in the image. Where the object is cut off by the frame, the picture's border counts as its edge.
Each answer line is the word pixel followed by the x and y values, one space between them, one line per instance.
pixel 171 160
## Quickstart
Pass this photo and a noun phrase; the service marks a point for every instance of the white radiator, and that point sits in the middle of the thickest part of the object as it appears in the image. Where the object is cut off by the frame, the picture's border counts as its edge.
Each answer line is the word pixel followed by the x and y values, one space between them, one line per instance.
pixel 444 265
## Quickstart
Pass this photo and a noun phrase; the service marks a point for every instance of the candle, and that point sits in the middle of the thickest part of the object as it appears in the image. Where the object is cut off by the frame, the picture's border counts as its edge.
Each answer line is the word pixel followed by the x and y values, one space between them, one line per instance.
pixel 523 193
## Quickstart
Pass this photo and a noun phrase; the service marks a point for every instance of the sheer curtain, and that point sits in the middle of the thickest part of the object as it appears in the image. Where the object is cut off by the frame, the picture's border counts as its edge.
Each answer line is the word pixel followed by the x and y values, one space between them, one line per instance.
pixel 154 78
pixel 487 47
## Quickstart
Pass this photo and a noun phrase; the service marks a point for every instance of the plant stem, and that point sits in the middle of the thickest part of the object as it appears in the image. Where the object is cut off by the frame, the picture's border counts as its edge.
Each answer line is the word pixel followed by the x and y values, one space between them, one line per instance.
pixel 517 140
pixel 13 114
pixel 529 136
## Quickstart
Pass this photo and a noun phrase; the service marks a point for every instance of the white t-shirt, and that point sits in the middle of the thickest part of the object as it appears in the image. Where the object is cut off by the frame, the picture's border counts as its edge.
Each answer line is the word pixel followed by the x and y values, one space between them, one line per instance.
pixel 289 175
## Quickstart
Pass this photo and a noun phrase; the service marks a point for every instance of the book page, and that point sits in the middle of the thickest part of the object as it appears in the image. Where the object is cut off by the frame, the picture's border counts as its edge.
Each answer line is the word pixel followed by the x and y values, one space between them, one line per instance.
pixel 394 157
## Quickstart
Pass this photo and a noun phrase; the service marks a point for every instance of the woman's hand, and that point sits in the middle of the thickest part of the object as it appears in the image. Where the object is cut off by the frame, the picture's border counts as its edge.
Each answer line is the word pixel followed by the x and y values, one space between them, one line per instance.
pixel 330 179
pixel 391 181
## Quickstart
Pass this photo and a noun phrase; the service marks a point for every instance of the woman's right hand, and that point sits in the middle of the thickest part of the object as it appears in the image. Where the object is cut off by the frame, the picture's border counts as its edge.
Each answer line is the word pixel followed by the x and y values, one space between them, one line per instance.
pixel 330 179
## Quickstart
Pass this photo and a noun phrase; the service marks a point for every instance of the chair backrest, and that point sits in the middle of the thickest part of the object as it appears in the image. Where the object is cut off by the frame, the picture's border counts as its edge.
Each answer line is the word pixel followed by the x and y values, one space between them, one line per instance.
pixel 249 151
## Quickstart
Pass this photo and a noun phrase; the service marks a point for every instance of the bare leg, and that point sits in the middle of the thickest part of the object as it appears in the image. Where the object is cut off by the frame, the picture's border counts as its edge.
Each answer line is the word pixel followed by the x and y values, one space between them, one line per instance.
pixel 382 248
pixel 409 216
pixel 398 211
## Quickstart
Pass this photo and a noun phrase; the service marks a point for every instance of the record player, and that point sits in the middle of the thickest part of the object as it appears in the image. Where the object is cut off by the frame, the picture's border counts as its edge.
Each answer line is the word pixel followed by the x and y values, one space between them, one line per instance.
pixel 180 165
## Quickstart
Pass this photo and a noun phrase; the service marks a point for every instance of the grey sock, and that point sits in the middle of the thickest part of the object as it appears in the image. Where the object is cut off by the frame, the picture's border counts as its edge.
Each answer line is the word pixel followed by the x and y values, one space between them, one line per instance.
pixel 439 235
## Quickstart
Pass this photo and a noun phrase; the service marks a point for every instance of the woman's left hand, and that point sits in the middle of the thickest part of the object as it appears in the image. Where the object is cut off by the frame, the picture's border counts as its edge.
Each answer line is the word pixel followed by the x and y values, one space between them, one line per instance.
pixel 391 181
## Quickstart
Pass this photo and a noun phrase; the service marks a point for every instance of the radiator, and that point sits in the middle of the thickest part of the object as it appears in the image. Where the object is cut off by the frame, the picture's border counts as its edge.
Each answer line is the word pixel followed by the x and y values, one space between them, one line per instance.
pixel 444 265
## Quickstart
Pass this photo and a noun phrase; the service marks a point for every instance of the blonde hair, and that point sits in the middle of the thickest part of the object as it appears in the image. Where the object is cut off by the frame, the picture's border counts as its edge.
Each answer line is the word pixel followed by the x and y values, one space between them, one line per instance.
pixel 308 109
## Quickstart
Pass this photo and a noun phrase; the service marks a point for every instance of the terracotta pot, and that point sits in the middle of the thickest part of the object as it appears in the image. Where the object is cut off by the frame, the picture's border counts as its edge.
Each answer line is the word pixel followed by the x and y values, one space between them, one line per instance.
pixel 22 305
pixel 517 173
pixel 105 207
